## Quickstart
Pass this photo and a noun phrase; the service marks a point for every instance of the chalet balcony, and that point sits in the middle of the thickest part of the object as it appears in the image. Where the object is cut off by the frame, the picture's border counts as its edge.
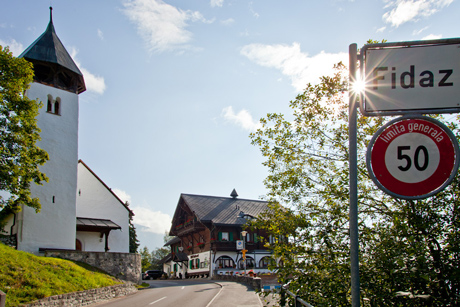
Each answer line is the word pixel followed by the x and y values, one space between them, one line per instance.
pixel 231 245
pixel 188 227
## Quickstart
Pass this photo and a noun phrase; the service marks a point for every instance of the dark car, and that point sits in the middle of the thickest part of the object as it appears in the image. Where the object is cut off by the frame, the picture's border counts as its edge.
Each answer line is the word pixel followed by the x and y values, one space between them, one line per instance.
pixel 153 274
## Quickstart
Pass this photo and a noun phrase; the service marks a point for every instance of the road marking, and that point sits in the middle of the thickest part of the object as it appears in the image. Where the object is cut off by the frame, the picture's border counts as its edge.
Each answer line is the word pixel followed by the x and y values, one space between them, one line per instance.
pixel 157 300
pixel 221 288
pixel 183 287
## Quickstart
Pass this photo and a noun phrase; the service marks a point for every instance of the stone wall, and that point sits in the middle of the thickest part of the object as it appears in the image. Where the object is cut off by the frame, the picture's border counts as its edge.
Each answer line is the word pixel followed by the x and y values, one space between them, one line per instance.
pixel 84 298
pixel 121 265
pixel 9 240
pixel 252 282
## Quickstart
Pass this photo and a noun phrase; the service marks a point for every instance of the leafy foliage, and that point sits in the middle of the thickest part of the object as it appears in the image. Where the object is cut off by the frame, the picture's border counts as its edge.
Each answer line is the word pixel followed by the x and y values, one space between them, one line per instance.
pixel 20 157
pixel 25 277
pixel 409 250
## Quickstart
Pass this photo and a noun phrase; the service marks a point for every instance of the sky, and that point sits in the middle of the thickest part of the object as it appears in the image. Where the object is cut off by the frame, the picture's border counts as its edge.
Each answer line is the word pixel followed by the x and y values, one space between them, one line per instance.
pixel 174 88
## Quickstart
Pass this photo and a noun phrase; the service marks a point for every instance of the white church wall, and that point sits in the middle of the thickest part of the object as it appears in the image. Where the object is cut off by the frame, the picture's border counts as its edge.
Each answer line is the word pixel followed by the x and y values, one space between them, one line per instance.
pixel 53 226
pixel 92 241
pixel 94 200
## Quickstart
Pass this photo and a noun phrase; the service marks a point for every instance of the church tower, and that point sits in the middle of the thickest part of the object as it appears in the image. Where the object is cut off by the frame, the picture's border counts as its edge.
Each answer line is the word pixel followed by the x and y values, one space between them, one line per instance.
pixel 57 84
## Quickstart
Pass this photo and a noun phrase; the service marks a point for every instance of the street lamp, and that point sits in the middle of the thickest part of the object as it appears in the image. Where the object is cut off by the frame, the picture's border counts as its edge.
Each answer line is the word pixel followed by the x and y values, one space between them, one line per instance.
pixel 243 234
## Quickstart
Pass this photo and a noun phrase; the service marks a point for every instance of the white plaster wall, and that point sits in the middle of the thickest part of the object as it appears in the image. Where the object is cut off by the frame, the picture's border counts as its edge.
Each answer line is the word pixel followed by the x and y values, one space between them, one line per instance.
pixel 91 241
pixel 54 225
pixel 94 200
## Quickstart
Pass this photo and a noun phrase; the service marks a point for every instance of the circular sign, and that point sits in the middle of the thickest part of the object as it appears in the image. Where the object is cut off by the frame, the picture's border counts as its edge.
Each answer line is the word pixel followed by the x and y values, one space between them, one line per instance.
pixel 413 157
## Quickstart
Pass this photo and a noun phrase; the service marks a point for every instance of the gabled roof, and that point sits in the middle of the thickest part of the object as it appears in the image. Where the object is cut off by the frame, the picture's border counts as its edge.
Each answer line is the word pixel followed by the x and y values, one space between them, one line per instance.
pixel 223 210
pixel 131 213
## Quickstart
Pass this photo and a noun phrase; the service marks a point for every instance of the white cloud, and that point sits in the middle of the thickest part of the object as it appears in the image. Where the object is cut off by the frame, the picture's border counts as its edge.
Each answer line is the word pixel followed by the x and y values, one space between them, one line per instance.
pixel 292 62
pixel 217 3
pixel 151 221
pixel 100 34
pixel 125 197
pixel 162 26
pixel 380 30
pixel 251 9
pixel 243 119
pixel 417 32
pixel 403 11
pixel 15 47
pixel 95 84
pixel 228 22
pixel 432 36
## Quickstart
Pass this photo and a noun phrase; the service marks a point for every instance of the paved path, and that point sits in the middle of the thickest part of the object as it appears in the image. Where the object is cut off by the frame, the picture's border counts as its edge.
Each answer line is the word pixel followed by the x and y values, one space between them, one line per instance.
pixel 235 294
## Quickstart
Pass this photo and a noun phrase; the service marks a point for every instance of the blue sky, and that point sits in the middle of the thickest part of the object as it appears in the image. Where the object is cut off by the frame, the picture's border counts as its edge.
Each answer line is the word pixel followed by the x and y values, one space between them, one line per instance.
pixel 175 87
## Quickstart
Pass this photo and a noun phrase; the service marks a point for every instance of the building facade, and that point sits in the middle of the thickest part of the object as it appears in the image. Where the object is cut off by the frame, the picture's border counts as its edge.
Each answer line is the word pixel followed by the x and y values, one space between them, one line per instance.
pixel 208 237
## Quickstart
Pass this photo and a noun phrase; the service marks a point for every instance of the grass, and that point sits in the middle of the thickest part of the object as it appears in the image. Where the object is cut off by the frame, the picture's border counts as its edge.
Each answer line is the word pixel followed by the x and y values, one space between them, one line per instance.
pixel 25 277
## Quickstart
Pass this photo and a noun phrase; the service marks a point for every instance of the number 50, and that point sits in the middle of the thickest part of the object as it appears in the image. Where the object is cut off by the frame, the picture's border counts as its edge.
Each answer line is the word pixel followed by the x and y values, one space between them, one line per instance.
pixel 402 156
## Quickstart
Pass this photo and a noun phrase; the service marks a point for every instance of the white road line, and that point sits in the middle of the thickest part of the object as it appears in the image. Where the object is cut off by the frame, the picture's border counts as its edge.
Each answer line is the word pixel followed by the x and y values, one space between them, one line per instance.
pixel 221 288
pixel 157 300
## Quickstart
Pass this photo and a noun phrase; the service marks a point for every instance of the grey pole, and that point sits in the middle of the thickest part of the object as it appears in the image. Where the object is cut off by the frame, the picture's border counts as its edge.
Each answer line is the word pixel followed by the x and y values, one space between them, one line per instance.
pixel 353 157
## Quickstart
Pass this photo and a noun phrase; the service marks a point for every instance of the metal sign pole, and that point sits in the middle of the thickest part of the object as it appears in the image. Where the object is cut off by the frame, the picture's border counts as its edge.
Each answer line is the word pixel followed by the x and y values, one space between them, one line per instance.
pixel 353 157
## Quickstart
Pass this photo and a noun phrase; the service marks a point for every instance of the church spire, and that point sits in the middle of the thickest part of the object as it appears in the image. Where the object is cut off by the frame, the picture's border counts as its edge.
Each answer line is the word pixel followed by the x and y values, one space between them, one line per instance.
pixel 53 65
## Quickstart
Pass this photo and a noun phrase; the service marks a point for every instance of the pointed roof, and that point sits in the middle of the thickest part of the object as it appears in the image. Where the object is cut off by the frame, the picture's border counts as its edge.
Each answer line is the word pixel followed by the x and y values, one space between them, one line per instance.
pixel 49 48
pixel 223 210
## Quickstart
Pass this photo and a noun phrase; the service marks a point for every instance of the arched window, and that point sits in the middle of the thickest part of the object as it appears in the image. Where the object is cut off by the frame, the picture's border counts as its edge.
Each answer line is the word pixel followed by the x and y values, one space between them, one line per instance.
pixel 53 106
pixel 225 262
pixel 250 263
pixel 264 262
pixel 49 106
pixel 57 104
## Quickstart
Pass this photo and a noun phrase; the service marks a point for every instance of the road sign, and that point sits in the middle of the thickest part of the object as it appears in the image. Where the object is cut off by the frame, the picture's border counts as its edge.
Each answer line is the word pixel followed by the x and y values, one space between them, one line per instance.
pixel 405 77
pixel 413 157
pixel 239 244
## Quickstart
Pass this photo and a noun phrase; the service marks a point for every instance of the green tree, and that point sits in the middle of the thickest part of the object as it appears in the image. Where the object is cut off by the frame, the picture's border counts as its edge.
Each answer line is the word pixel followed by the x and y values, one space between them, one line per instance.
pixel 146 259
pixel 20 156
pixel 409 250
pixel 160 252
pixel 133 241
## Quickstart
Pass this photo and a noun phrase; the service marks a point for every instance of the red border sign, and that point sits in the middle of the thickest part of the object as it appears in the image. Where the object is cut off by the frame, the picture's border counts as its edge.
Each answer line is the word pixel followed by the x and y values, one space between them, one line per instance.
pixel 413 157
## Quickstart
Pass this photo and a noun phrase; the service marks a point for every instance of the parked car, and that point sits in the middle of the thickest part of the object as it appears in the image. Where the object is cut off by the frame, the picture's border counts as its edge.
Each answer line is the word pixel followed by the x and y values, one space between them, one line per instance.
pixel 152 274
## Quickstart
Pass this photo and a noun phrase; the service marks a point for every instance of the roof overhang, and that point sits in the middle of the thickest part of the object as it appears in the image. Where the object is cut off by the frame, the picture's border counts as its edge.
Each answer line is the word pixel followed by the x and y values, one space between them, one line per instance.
pixel 95 225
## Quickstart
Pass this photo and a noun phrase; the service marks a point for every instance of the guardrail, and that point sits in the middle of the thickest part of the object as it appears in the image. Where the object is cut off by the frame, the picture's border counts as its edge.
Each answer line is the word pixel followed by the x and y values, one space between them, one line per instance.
pixel 297 300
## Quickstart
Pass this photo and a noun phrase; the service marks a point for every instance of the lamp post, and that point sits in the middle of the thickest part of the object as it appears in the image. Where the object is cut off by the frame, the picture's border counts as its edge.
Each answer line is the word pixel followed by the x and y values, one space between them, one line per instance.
pixel 243 234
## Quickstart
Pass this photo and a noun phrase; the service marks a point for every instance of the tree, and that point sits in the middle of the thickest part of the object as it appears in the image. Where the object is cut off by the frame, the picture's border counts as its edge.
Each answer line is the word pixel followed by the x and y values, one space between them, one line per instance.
pixel 409 250
pixel 20 156
pixel 133 241
pixel 146 259
pixel 160 252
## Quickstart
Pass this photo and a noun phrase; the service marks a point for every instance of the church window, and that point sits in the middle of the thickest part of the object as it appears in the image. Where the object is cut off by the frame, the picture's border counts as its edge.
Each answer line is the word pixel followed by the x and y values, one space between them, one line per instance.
pixel 53 106
pixel 56 107
pixel 49 107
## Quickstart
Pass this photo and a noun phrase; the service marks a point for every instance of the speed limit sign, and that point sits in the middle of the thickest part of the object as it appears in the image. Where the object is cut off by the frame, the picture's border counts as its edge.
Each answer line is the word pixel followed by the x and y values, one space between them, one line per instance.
pixel 413 157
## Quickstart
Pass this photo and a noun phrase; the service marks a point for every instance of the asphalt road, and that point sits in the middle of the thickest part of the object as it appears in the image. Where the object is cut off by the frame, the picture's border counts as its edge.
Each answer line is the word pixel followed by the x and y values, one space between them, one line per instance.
pixel 188 292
